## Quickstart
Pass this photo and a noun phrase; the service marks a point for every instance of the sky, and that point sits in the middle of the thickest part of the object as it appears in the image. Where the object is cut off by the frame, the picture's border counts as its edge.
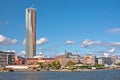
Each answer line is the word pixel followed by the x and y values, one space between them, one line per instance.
pixel 78 26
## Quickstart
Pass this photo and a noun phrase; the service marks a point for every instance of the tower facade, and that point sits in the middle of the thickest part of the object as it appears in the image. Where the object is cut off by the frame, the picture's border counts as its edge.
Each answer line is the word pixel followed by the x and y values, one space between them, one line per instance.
pixel 30 32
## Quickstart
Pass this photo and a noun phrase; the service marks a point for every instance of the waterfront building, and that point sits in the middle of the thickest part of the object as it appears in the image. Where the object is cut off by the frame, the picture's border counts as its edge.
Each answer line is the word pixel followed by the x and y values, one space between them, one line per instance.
pixel 65 58
pixel 7 58
pixel 89 59
pixel 117 60
pixel 105 60
pixel 100 61
pixel 45 61
pixel 30 41
pixel 19 60
pixel 113 58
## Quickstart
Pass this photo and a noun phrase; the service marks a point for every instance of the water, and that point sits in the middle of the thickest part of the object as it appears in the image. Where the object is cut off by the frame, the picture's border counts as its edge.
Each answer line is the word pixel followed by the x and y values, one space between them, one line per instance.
pixel 87 75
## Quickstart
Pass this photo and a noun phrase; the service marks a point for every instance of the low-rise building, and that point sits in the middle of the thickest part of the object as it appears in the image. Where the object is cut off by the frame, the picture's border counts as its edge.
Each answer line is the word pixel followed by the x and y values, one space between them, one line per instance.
pixel 100 61
pixel 19 60
pixel 117 60
pixel 65 58
pixel 7 58
pixel 105 60
pixel 36 60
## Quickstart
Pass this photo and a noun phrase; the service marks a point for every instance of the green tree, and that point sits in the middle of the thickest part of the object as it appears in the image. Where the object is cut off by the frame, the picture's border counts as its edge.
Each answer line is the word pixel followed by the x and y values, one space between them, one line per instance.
pixel 1 68
pixel 83 66
pixel 55 65
pixel 118 63
pixel 41 65
pixel 58 65
pixel 99 66
pixel 70 65
pixel 49 65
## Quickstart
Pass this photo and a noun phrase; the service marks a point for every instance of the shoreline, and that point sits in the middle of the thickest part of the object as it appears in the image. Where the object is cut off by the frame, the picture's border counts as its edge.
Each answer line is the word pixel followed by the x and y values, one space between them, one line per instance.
pixel 84 70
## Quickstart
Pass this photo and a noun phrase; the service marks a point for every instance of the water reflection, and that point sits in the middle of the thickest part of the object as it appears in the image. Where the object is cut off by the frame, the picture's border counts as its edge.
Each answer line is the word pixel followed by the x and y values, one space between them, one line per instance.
pixel 30 76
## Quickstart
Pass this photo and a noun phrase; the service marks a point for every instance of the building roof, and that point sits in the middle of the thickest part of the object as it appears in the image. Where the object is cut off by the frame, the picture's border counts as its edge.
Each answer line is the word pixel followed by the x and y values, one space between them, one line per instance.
pixel 1 52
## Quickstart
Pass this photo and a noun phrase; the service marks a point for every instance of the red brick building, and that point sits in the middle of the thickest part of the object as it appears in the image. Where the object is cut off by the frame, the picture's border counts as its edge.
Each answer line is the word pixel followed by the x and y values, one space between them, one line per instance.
pixel 65 58
pixel 19 60
pixel 36 60
pixel 89 59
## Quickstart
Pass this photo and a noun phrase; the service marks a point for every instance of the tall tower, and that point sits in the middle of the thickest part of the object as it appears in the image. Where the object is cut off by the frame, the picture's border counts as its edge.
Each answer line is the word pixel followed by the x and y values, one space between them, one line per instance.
pixel 30 32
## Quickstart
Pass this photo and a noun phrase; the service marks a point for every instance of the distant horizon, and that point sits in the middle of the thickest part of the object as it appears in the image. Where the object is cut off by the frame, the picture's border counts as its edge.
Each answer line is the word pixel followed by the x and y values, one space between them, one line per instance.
pixel 80 27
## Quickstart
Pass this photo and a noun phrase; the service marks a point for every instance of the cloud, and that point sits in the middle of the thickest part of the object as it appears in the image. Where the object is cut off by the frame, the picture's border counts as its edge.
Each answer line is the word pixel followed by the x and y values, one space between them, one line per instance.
pixel 69 42
pixel 117 44
pixel 112 50
pixel 87 43
pixel 41 41
pixel 4 22
pixel 114 30
pixel 22 54
pixel 23 42
pixel 7 41
pixel 40 54
pixel 9 51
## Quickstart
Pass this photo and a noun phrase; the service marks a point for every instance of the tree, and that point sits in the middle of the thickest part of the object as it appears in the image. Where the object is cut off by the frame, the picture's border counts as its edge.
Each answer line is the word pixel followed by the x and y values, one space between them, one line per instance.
pixel 118 63
pixel 1 68
pixel 41 65
pixel 83 66
pixel 70 65
pixel 99 66
pixel 55 65
pixel 49 65
pixel 58 65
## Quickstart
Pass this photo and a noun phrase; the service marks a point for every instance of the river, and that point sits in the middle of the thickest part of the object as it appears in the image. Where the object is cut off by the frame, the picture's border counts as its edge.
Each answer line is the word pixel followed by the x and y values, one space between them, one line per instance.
pixel 86 75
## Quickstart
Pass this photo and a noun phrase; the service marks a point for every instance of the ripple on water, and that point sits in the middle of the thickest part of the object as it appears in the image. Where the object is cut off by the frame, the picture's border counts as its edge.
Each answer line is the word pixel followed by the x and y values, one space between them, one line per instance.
pixel 87 75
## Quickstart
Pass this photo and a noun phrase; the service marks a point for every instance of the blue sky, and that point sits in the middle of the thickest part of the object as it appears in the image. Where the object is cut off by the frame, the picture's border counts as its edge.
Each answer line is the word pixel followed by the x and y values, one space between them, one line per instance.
pixel 80 26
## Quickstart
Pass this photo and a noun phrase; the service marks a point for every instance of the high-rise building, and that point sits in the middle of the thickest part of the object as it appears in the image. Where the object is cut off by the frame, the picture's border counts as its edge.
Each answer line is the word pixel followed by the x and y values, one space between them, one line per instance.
pixel 30 32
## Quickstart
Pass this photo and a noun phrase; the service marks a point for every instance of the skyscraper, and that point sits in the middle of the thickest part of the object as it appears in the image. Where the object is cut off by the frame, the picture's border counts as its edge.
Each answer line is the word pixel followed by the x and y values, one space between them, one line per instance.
pixel 30 32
